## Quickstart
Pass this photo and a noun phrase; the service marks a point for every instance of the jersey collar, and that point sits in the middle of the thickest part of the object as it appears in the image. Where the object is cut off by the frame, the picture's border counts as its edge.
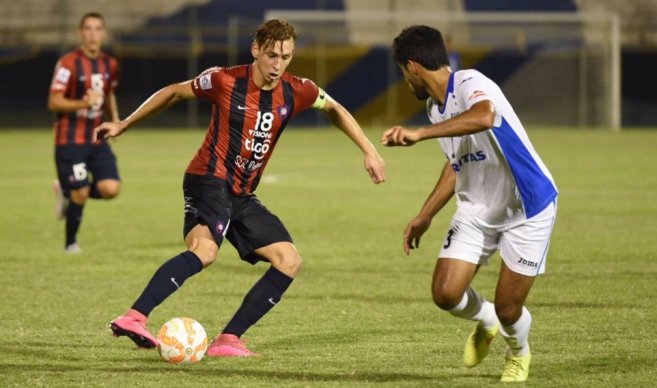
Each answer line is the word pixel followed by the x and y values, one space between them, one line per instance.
pixel 450 90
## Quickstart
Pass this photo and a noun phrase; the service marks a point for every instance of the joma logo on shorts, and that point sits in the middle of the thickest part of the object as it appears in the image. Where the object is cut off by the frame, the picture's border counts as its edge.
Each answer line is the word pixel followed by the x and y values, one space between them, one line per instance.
pixel 527 262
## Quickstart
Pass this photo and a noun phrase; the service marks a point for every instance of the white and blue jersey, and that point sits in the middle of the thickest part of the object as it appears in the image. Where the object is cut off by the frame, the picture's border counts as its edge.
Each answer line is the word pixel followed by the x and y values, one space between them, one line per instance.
pixel 500 178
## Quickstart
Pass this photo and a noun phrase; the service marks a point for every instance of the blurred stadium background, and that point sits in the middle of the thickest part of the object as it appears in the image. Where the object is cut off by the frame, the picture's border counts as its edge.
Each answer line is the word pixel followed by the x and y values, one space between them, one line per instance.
pixel 579 63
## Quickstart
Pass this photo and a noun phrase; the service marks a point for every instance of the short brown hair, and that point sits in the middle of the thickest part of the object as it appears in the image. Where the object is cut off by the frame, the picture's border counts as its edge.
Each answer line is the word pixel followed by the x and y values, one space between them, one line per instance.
pixel 275 30
pixel 88 15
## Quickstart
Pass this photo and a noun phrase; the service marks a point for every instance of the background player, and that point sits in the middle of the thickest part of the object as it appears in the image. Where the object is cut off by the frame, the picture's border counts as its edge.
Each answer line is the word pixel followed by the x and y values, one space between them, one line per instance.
pixel 82 95
pixel 252 104
pixel 505 196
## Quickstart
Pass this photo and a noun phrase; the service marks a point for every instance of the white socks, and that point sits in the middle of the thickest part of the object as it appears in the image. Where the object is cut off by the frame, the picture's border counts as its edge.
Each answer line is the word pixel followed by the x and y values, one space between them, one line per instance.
pixel 516 335
pixel 475 308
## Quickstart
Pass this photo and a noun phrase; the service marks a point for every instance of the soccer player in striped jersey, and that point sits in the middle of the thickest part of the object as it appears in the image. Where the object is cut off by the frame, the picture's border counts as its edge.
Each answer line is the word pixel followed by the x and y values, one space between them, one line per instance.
pixel 82 96
pixel 505 196
pixel 252 105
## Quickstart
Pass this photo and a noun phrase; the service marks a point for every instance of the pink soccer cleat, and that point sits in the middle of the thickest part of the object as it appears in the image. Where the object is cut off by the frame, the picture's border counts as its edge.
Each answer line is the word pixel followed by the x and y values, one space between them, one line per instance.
pixel 229 345
pixel 133 325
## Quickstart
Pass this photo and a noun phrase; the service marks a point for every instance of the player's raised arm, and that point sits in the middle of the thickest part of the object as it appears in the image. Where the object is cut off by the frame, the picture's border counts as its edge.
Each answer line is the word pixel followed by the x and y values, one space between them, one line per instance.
pixel 156 103
pixel 341 118
pixel 479 117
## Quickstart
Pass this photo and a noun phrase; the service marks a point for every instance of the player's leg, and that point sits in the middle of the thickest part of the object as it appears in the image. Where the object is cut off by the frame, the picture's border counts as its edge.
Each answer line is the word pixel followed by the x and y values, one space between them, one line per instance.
pixel 452 292
pixel 523 250
pixel 73 176
pixel 61 200
pixel 203 245
pixel 166 280
pixel 74 210
pixel 470 245
pixel 510 295
pixel 258 235
pixel 105 189
pixel 106 182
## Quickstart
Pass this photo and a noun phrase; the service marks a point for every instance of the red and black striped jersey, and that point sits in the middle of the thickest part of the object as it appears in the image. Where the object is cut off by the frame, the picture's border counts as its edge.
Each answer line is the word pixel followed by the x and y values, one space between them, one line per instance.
pixel 246 123
pixel 74 74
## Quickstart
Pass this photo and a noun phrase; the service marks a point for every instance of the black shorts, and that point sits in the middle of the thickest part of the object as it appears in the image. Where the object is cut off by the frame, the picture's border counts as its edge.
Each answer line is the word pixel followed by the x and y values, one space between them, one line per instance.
pixel 76 162
pixel 243 220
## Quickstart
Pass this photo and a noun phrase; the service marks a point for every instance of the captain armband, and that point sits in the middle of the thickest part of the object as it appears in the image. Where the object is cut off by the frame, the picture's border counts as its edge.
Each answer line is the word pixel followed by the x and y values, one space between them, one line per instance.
pixel 321 99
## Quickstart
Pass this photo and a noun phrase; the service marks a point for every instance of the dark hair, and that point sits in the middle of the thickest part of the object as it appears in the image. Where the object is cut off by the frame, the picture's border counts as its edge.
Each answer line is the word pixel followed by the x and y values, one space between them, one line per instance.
pixel 88 15
pixel 420 44
pixel 275 30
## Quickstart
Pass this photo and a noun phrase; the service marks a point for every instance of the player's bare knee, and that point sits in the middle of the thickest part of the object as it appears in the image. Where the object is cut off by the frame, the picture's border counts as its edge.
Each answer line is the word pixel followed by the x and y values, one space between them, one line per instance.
pixel 206 251
pixel 445 299
pixel 507 313
pixel 109 188
pixel 288 264
pixel 111 193
pixel 80 196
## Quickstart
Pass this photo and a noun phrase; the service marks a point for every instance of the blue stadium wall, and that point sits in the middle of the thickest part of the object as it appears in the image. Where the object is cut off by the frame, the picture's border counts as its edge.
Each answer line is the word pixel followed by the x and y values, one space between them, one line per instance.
pixel 360 85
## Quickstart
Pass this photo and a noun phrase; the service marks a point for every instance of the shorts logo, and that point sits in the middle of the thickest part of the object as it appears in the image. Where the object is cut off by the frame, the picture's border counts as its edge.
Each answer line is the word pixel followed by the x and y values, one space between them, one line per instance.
pixel 189 207
pixel 526 262
pixel 220 228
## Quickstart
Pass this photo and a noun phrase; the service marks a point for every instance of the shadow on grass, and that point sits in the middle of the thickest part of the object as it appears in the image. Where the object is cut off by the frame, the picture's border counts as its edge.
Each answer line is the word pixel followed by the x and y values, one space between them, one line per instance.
pixel 622 304
pixel 368 298
pixel 222 372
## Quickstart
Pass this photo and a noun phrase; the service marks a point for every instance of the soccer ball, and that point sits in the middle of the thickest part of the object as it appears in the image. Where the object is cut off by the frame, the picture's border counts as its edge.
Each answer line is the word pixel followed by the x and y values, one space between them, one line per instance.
pixel 182 341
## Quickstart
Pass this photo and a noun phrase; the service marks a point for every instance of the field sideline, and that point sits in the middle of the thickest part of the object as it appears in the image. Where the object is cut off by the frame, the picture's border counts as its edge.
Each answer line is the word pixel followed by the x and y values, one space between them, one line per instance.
pixel 360 313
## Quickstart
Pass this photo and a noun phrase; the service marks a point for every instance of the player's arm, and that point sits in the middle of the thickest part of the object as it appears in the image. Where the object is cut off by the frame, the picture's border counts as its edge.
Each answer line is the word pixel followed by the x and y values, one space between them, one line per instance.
pixel 441 194
pixel 112 107
pixel 341 118
pixel 156 103
pixel 479 117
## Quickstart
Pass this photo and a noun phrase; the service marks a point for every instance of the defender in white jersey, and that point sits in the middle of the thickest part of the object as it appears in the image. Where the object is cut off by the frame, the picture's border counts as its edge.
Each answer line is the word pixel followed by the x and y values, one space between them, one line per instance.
pixel 506 197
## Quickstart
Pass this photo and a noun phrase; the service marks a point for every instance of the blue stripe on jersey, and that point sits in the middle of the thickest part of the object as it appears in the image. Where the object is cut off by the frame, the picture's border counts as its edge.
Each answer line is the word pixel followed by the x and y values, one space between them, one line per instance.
pixel 450 90
pixel 536 189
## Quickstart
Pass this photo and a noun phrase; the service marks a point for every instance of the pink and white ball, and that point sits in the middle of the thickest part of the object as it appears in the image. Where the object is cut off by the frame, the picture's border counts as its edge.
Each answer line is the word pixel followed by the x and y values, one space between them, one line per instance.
pixel 182 341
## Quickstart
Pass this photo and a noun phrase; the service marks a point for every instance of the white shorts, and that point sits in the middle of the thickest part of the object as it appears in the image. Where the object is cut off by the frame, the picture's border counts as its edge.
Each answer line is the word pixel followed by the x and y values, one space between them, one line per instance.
pixel 523 246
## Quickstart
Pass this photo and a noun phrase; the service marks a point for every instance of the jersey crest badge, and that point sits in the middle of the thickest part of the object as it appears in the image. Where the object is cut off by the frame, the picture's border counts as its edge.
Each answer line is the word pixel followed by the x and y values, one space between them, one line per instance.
pixel 283 111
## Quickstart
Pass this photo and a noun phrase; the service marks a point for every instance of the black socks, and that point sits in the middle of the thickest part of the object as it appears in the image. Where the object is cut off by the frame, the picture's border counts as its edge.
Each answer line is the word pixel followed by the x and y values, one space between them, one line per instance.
pixel 73 220
pixel 264 295
pixel 166 280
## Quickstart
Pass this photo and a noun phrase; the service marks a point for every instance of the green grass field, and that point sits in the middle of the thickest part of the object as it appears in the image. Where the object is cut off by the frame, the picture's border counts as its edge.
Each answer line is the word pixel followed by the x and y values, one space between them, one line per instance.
pixel 360 313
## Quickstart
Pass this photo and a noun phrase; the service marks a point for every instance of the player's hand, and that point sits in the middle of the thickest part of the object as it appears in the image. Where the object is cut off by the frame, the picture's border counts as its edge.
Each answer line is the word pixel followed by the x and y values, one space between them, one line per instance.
pixel 399 136
pixel 94 98
pixel 414 230
pixel 108 130
pixel 375 166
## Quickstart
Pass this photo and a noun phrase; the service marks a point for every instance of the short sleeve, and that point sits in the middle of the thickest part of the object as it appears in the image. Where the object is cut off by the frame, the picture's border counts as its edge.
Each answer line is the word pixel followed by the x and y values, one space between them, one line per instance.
pixel 207 84
pixel 307 93
pixel 473 89
pixel 61 78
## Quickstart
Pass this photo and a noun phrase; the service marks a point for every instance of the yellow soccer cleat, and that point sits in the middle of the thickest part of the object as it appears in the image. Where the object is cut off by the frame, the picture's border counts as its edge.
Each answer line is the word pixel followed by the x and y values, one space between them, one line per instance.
pixel 516 369
pixel 478 344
